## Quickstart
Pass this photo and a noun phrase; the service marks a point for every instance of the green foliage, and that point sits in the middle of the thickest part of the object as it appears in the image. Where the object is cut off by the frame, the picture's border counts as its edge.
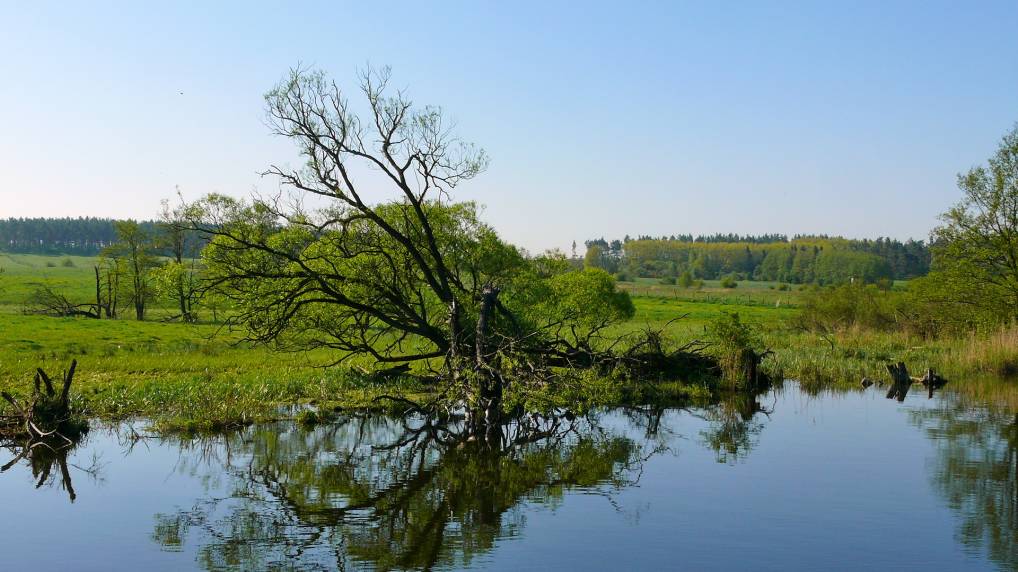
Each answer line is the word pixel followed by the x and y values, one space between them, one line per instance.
pixel 551 263
pixel 802 260
pixel 587 298
pixel 670 280
pixel 850 306
pixel 735 344
pixel 80 236
pixel 686 279
pixel 729 282
pixel 134 247
pixel 975 258
pixel 603 254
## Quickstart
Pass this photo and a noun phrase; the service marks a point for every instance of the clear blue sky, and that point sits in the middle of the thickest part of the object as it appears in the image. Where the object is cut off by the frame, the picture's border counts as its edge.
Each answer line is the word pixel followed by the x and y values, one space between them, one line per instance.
pixel 847 118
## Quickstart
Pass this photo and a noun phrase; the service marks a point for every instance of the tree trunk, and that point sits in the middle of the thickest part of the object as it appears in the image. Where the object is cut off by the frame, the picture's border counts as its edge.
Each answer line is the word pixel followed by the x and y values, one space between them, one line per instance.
pixel 489 379
pixel 185 312
pixel 900 381
pixel 455 337
pixel 98 295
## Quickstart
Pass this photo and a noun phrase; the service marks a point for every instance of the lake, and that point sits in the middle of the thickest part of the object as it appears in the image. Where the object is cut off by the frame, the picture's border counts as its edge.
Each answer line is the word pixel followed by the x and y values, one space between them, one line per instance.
pixel 781 481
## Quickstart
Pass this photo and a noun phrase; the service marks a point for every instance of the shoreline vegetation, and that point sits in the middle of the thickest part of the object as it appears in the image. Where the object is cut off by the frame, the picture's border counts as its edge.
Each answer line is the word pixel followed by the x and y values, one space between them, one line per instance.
pixel 203 376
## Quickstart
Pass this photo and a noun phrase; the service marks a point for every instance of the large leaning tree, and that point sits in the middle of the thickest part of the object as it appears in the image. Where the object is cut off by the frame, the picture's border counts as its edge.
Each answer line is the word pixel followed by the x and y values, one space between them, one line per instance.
pixel 387 265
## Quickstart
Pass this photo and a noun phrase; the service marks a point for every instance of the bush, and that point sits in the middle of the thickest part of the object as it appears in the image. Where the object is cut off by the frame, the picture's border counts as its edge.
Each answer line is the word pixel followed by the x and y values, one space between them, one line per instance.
pixel 736 345
pixel 783 287
pixel 851 306
pixel 622 277
pixel 67 263
pixel 686 279
pixel 729 282
pixel 667 280
pixel 51 264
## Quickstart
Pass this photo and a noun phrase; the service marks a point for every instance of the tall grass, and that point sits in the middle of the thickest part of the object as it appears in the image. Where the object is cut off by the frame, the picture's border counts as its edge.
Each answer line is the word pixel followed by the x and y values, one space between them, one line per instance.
pixel 994 354
pixel 845 358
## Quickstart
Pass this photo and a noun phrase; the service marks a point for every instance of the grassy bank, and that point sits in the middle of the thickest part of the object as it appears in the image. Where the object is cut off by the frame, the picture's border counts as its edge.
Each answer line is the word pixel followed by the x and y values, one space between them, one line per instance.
pixel 203 376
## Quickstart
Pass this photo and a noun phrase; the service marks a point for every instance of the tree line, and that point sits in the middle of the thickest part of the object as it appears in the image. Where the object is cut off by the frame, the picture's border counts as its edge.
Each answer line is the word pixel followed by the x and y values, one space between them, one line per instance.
pixel 801 260
pixel 83 236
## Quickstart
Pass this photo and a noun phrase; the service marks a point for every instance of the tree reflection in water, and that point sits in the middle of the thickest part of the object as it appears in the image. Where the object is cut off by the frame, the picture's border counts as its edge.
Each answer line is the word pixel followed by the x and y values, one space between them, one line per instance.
pixel 976 471
pixel 393 493
pixel 47 459
pixel 734 424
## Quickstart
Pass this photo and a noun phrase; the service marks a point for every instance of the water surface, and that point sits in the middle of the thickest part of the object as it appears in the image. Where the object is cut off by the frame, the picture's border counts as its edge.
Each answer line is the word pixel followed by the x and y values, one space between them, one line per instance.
pixel 784 481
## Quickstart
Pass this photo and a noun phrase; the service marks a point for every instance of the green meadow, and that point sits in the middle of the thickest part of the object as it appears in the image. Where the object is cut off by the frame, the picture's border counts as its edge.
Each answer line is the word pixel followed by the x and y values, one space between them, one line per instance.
pixel 203 375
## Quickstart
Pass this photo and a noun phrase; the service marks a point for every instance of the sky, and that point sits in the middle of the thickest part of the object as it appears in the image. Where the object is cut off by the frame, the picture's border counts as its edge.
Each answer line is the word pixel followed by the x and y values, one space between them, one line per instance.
pixel 601 119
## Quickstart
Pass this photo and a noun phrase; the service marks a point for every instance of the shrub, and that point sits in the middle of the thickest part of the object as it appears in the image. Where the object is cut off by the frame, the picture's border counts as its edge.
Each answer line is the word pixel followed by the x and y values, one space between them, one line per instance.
pixel 686 279
pixel 737 347
pixel 67 263
pixel 851 306
pixel 667 280
pixel 783 287
pixel 729 282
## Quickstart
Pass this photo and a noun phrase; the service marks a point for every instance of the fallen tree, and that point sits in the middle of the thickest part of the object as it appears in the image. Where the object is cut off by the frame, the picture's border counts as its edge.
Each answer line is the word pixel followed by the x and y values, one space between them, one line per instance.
pixel 48 302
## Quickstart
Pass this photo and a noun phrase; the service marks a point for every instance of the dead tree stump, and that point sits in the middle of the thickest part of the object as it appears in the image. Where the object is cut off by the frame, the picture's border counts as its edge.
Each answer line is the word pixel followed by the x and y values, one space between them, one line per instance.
pixel 49 412
pixel 932 381
pixel 900 381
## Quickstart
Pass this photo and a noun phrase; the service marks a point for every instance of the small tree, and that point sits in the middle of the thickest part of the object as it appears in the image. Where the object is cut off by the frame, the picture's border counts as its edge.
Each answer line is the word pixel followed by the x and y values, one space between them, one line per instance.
pixel 108 273
pixel 133 248
pixel 179 278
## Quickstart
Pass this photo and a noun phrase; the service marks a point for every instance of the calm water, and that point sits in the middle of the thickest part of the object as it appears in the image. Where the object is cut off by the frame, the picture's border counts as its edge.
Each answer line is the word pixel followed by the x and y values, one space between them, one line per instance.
pixel 786 482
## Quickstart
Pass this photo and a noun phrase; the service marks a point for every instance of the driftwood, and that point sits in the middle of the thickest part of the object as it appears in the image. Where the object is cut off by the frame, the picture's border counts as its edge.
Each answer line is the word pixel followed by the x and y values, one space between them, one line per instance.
pixel 48 415
pixel 43 430
pixel 901 381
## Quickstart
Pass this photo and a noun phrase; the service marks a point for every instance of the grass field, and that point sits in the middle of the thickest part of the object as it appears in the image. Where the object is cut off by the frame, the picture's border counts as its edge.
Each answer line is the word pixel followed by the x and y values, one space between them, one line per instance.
pixel 23 273
pixel 747 293
pixel 203 375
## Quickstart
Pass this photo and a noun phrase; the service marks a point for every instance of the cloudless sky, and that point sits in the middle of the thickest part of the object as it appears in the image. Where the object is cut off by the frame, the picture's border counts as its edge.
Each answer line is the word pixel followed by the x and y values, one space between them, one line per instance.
pixel 602 119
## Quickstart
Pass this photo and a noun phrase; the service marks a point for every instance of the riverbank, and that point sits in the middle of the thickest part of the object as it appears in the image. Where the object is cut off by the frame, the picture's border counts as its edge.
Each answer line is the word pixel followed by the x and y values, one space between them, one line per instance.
pixel 202 377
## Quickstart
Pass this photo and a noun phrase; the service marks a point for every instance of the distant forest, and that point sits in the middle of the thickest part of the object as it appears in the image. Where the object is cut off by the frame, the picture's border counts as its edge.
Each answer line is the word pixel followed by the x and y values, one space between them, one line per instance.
pixel 83 236
pixel 775 257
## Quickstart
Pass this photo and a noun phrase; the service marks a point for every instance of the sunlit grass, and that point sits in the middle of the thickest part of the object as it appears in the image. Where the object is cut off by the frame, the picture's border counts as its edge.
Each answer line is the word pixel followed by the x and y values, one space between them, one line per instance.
pixel 203 376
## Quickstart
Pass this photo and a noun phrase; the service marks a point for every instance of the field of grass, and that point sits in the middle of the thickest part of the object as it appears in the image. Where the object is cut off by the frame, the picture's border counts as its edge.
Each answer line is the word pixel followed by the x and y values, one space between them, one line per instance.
pixel 747 293
pixel 201 375
pixel 23 273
